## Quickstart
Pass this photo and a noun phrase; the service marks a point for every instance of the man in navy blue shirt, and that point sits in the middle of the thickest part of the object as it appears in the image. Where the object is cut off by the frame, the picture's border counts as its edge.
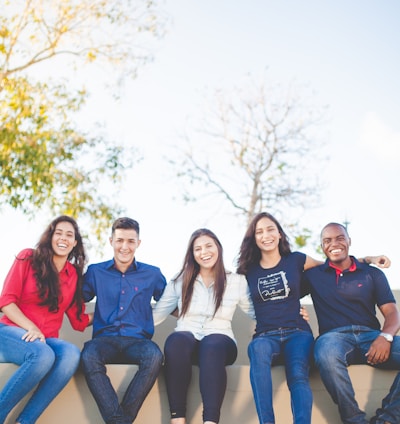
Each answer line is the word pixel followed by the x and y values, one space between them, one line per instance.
pixel 345 293
pixel 122 325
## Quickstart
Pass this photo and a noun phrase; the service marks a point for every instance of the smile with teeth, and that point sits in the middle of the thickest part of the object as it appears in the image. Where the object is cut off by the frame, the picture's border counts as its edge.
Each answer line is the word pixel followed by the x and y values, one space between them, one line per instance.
pixel 334 251
pixel 62 246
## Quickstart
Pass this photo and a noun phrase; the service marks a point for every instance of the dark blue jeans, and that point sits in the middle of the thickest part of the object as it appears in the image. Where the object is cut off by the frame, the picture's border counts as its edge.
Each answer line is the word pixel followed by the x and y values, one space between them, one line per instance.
pixel 293 348
pixel 339 348
pixel 211 354
pixel 120 350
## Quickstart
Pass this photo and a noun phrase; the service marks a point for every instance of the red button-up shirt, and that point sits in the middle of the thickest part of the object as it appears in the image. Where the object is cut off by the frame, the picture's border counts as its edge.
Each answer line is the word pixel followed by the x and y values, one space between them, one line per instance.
pixel 20 288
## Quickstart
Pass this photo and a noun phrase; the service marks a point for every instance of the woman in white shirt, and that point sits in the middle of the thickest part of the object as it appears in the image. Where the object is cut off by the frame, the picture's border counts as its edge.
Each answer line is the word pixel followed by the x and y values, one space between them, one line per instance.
pixel 206 296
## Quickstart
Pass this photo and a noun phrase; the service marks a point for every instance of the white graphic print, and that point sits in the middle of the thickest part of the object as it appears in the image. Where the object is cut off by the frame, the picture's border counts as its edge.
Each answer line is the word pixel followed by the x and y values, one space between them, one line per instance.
pixel 273 286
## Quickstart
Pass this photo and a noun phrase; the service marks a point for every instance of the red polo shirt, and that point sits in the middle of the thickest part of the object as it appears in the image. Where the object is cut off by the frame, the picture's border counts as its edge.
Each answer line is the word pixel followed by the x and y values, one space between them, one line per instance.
pixel 20 288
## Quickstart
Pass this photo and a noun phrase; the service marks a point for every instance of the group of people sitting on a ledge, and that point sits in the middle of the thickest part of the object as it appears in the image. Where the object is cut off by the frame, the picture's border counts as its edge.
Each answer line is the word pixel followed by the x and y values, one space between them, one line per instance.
pixel 48 281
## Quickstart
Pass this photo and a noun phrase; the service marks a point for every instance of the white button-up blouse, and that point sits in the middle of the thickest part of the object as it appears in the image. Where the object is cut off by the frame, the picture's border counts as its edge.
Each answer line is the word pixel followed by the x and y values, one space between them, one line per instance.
pixel 200 319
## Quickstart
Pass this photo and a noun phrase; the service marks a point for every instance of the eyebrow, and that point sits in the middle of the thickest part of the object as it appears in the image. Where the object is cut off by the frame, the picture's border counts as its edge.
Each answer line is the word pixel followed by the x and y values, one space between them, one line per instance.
pixel 59 230
pixel 121 239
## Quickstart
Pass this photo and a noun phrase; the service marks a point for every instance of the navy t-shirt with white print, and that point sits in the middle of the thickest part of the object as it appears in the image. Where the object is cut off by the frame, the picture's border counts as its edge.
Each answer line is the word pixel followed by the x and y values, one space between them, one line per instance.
pixel 275 293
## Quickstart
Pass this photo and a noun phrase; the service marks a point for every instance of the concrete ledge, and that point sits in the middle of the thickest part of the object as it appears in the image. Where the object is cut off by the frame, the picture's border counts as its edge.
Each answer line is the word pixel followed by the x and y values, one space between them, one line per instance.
pixel 76 405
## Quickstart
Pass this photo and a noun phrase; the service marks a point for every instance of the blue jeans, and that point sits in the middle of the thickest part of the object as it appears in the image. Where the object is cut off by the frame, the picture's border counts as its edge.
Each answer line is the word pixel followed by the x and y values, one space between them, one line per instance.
pixel 120 350
pixel 293 348
pixel 49 366
pixel 339 348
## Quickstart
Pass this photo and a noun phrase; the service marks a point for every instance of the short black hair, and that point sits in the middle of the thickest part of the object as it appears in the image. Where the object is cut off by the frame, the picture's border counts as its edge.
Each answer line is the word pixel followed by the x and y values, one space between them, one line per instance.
pixel 126 224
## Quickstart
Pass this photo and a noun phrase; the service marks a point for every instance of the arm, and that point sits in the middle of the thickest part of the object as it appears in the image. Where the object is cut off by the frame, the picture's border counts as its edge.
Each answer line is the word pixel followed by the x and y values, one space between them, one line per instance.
pixel 311 263
pixel 304 313
pixel 379 350
pixel 168 302
pixel 78 324
pixel 245 302
pixel 382 261
pixel 88 288
pixel 14 313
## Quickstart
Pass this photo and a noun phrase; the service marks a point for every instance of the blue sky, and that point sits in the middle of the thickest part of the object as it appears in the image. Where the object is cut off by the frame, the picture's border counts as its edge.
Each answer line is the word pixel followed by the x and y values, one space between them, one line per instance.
pixel 347 52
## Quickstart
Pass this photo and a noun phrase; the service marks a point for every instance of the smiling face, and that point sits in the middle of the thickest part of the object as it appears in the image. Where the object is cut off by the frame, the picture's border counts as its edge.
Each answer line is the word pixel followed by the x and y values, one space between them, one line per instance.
pixel 335 243
pixel 124 242
pixel 205 252
pixel 63 239
pixel 267 235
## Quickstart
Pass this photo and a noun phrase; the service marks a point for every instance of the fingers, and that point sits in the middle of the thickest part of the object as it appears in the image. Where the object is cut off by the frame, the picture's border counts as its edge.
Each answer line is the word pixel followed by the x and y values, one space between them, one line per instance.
pixel 32 335
pixel 384 262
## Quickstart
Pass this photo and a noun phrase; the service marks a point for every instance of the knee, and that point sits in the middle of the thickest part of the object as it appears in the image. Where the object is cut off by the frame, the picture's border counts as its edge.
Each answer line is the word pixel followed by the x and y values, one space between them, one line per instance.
pixel 42 356
pixel 153 355
pixel 158 356
pixel 178 343
pixel 258 351
pixel 89 355
pixel 71 357
pixel 326 356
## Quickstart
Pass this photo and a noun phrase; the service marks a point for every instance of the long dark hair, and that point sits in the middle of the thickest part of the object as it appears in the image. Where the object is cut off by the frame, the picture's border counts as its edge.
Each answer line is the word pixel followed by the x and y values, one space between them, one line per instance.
pixel 249 253
pixel 46 273
pixel 191 269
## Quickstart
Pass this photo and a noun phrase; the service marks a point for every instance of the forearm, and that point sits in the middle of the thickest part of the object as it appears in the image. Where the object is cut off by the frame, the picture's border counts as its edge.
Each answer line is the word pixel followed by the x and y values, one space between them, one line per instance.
pixel 391 324
pixel 14 314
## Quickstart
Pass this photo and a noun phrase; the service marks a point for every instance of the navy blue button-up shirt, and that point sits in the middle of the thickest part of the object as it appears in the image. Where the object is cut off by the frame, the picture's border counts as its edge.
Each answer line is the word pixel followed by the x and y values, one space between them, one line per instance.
pixel 123 300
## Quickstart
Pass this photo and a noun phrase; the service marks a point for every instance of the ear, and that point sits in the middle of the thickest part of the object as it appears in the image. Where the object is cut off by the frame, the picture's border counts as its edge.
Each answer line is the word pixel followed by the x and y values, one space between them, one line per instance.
pixel 138 243
pixel 111 239
pixel 349 241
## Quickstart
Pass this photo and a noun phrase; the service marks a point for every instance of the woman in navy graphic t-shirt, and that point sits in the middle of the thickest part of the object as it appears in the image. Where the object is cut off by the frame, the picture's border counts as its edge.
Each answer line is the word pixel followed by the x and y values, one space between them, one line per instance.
pixel 273 274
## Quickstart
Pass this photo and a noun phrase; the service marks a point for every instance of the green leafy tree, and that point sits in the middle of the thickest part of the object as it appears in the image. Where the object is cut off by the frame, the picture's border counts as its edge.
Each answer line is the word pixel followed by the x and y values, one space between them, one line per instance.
pixel 46 159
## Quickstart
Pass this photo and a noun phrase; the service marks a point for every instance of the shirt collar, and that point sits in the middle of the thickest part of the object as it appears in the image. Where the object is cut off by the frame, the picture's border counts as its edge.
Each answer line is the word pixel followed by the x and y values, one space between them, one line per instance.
pixel 132 267
pixel 352 268
pixel 67 268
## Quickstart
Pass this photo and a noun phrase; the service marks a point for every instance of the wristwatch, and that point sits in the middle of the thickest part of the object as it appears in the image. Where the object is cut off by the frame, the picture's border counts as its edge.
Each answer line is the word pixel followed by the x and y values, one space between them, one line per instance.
pixel 387 336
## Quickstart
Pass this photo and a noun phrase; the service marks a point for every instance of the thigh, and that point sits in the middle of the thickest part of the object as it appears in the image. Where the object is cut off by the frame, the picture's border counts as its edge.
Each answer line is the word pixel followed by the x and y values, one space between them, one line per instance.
pixel 218 346
pixel 180 344
pixel 103 349
pixel 336 346
pixel 264 348
pixel 135 351
pixel 64 350
pixel 299 346
pixel 15 350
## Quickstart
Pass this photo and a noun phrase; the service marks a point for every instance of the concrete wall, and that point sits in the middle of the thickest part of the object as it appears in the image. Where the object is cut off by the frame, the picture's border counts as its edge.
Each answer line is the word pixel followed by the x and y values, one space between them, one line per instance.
pixel 76 405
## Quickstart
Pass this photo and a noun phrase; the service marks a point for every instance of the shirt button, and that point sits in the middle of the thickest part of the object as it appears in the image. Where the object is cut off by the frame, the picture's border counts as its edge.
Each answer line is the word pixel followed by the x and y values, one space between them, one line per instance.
pixel 123 292
pixel 121 308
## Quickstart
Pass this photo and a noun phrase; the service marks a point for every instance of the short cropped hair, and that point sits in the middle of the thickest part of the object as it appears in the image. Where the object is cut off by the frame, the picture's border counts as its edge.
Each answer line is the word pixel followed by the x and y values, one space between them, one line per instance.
pixel 125 223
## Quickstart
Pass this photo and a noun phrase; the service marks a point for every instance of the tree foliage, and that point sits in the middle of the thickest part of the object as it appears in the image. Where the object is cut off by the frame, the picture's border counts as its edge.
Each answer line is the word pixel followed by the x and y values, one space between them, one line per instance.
pixel 46 160
pixel 257 149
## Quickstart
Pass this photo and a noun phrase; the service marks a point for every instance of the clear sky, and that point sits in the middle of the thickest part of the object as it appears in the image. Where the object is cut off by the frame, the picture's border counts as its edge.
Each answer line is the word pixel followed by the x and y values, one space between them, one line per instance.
pixel 348 52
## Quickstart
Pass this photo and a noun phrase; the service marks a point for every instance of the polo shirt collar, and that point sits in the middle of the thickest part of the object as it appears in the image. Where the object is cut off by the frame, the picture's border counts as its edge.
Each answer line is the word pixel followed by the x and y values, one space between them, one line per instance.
pixel 354 265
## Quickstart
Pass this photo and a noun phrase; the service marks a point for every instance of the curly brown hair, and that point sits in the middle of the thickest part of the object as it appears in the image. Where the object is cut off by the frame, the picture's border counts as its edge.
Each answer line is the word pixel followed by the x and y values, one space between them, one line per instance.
pixel 47 278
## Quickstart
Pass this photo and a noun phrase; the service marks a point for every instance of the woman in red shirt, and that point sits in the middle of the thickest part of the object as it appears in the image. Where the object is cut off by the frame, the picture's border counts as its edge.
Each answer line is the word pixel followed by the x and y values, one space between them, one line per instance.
pixel 41 285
